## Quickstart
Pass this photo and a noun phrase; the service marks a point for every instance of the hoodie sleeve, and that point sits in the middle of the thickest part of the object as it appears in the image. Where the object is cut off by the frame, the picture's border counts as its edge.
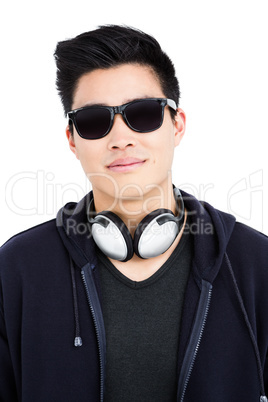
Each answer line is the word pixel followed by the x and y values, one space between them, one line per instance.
pixel 248 253
pixel 7 378
pixel 265 374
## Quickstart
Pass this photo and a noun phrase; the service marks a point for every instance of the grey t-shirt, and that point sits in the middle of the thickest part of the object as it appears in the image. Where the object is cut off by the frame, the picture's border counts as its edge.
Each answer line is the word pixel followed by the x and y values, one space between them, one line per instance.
pixel 142 323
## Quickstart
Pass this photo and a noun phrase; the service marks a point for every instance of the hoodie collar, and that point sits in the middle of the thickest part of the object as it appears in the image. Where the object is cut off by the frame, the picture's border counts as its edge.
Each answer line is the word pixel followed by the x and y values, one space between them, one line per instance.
pixel 210 227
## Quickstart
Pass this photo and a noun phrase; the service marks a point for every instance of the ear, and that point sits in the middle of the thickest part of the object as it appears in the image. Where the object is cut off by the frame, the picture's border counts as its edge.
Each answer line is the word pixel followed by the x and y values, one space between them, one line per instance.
pixel 180 126
pixel 70 138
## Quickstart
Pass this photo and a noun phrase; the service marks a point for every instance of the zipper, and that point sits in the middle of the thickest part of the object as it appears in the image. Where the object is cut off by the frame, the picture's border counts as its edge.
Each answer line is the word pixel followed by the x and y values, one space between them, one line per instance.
pixel 195 339
pixel 95 308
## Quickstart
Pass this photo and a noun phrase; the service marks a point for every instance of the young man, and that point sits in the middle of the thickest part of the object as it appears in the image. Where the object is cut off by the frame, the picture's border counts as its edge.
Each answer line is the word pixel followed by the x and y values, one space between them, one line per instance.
pixel 139 292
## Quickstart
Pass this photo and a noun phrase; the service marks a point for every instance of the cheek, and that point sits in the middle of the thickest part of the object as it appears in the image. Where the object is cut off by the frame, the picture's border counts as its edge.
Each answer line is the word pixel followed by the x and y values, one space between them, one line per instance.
pixel 164 145
pixel 87 154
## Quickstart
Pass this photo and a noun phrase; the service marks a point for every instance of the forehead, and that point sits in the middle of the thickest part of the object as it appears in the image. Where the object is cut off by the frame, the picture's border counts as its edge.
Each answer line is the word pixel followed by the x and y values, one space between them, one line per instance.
pixel 117 85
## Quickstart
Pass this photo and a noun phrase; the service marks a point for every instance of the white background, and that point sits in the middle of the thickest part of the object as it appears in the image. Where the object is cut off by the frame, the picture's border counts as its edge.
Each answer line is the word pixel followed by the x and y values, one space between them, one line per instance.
pixel 219 49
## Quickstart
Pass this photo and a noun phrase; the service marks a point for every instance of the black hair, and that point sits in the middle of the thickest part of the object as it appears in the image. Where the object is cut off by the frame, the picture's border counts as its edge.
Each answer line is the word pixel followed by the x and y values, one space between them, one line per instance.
pixel 111 46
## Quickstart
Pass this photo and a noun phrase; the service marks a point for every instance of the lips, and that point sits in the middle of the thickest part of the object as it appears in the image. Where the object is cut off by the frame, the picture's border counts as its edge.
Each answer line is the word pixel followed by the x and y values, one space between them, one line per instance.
pixel 125 164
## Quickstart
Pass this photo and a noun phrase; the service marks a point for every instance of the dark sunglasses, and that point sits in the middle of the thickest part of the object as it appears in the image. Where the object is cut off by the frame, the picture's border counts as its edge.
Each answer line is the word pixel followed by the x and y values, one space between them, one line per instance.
pixel 142 116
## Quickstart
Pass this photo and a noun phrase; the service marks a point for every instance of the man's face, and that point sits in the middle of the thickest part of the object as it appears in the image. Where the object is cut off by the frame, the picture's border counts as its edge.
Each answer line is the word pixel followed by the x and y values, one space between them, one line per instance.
pixel 125 163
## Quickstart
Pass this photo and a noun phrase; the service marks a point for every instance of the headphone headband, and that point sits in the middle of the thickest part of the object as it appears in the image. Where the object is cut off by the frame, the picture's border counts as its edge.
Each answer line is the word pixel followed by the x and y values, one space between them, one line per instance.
pixel 153 236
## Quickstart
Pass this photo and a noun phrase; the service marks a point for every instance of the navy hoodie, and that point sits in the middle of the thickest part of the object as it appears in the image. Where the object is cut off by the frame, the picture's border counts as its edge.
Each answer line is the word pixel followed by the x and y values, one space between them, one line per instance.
pixel 52 335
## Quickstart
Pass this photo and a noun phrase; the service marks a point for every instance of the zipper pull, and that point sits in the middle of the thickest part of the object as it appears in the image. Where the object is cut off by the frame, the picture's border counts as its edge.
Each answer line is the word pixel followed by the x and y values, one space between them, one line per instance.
pixel 78 341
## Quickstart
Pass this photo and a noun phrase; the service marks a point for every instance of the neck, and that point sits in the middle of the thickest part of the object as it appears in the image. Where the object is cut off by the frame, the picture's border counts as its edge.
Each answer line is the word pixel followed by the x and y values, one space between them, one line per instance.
pixel 133 208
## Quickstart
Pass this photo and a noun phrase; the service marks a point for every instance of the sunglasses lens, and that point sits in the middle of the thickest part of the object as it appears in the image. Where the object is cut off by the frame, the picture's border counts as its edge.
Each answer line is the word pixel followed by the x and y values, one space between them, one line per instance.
pixel 144 116
pixel 93 123
pixel 141 116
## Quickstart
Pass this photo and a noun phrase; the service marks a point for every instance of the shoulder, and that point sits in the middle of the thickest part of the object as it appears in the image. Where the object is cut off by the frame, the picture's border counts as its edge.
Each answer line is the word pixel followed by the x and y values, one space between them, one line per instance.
pixel 35 244
pixel 248 251
pixel 31 235
pixel 244 236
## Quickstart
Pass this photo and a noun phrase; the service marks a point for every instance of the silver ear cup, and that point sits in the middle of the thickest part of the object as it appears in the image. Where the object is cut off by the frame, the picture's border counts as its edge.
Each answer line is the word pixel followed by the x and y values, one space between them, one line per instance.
pixel 157 236
pixel 112 238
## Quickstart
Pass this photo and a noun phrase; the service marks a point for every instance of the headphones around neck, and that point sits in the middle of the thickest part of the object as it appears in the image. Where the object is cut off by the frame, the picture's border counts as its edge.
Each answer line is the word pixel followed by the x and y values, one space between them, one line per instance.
pixel 153 236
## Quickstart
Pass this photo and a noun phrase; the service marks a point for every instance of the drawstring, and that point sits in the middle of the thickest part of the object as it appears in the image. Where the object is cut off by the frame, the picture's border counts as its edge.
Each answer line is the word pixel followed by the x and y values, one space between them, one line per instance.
pixel 263 398
pixel 77 339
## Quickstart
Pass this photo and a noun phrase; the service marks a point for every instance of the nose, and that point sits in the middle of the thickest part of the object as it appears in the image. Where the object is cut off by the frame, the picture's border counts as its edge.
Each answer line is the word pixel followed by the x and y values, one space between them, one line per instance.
pixel 120 136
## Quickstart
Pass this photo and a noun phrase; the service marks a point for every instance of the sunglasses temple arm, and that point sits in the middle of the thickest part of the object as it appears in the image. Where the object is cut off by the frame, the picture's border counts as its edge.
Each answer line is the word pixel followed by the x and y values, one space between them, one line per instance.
pixel 172 104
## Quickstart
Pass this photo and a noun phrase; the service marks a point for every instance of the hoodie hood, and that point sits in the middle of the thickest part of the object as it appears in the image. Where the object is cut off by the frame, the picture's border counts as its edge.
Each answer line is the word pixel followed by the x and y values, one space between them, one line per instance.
pixel 74 230
pixel 211 229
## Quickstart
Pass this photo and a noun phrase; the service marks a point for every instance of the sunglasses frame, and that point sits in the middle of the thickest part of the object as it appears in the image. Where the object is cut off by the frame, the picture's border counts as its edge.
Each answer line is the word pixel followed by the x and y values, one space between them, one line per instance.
pixel 121 110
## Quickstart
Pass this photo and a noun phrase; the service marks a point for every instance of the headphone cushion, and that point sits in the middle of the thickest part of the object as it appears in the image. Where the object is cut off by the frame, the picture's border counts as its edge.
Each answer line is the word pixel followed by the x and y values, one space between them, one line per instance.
pixel 112 236
pixel 155 233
